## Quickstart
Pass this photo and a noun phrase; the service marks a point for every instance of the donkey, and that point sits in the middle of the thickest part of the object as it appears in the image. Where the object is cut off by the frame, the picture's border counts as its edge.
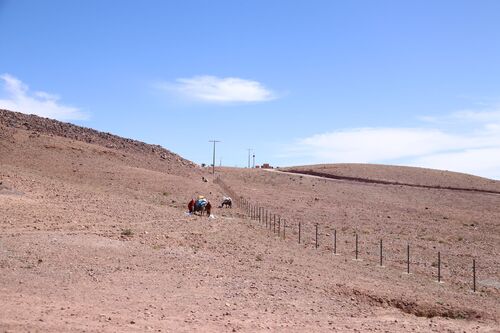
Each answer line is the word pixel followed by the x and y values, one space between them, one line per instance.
pixel 226 202
pixel 207 208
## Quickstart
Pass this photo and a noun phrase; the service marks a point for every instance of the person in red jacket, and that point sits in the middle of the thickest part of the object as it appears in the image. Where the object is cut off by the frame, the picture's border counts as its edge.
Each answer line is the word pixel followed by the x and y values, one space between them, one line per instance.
pixel 191 206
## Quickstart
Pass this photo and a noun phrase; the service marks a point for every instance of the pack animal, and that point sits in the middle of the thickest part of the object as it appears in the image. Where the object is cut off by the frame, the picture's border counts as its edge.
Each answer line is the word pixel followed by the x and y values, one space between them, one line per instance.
pixel 202 208
pixel 226 202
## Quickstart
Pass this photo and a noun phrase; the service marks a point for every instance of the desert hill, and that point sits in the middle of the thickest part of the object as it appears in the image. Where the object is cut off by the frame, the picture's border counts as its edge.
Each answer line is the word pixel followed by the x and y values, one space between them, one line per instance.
pixel 400 175
pixel 37 126
pixel 94 237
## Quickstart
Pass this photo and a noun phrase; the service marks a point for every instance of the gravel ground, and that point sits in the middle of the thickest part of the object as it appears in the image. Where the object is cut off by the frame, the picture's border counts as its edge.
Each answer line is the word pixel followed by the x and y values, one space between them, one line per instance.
pixel 94 237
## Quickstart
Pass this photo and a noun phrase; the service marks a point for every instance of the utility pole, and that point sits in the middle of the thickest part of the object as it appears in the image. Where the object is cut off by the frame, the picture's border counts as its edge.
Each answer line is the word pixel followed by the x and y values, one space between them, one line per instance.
pixel 249 150
pixel 213 163
pixel 254 161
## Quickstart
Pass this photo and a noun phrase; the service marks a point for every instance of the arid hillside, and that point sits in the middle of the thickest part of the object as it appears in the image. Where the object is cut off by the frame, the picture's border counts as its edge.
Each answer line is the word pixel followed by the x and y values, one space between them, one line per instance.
pixel 94 237
pixel 400 175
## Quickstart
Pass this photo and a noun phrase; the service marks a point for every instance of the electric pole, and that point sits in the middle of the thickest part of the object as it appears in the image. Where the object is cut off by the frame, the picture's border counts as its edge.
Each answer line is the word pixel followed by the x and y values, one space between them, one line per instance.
pixel 213 163
pixel 254 161
pixel 249 150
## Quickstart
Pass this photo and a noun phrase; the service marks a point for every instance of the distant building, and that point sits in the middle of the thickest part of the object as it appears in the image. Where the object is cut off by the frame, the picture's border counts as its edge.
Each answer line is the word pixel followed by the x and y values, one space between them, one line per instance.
pixel 266 166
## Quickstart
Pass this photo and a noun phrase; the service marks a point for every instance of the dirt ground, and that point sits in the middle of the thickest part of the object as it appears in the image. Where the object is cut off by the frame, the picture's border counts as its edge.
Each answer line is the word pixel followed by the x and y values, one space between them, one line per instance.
pixel 94 237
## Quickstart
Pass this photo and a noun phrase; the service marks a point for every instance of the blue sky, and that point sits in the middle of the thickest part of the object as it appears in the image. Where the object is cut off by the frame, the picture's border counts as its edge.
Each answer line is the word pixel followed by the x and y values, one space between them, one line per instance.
pixel 300 82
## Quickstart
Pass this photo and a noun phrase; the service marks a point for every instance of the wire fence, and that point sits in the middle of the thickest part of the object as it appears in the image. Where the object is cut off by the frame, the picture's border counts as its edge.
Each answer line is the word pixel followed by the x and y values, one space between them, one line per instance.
pixel 406 257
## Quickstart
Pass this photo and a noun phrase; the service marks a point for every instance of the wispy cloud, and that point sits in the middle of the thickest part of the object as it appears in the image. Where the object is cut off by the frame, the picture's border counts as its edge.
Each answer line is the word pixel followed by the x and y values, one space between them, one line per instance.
pixel 470 143
pixel 18 98
pixel 485 115
pixel 213 89
pixel 477 161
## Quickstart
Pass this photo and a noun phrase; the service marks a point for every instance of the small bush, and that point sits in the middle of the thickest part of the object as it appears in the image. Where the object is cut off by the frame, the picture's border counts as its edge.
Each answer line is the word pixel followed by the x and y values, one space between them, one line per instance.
pixel 127 232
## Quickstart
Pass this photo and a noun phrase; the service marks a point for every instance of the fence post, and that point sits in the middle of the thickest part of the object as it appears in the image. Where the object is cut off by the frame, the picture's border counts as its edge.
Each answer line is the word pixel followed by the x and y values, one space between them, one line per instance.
pixel 284 228
pixel 356 246
pixel 279 225
pixel 334 241
pixel 381 253
pixel 299 232
pixel 408 258
pixel 316 235
pixel 439 266
pixel 474 275
pixel 274 223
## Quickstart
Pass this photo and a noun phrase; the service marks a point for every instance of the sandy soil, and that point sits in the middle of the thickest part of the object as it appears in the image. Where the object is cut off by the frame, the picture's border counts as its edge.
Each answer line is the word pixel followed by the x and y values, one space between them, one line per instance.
pixel 94 237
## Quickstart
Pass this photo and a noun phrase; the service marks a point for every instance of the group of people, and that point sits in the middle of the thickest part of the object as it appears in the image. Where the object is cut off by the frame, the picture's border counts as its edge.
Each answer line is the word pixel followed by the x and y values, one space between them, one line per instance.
pixel 202 205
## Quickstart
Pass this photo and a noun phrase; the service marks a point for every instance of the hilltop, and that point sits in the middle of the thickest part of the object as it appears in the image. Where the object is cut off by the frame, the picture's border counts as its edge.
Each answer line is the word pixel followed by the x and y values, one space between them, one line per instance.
pixel 36 126
pixel 400 175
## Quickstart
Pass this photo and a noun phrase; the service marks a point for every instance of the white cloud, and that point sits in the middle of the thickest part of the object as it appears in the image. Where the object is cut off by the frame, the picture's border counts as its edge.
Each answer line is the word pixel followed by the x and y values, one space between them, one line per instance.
pixel 472 145
pixel 219 90
pixel 484 162
pixel 489 114
pixel 40 103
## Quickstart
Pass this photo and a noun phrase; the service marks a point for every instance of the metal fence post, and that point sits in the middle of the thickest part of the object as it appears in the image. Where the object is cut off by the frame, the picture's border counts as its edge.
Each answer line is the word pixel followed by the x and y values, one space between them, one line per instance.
pixel 408 258
pixel 299 232
pixel 316 235
pixel 474 275
pixel 439 266
pixel 356 246
pixel 334 241
pixel 284 228
pixel 381 253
